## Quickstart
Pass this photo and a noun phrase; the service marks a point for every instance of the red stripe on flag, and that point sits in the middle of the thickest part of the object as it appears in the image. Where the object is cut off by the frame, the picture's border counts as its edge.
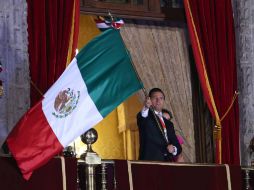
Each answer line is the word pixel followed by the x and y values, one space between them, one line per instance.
pixel 33 142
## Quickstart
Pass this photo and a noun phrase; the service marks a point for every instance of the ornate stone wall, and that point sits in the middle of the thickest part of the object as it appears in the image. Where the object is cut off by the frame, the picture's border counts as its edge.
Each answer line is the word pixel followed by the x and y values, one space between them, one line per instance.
pixel 14 58
pixel 244 25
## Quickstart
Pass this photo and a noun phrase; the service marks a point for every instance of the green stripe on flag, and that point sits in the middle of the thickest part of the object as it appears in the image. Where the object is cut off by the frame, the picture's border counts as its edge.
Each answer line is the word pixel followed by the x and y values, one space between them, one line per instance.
pixel 106 68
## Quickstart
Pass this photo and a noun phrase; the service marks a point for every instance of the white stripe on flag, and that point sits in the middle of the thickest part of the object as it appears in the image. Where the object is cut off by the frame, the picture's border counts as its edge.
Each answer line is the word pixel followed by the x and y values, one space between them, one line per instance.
pixel 103 25
pixel 84 116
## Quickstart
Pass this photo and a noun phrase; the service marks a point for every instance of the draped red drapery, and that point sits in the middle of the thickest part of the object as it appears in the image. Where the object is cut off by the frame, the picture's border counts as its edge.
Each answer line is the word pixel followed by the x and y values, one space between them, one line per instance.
pixel 49 31
pixel 211 29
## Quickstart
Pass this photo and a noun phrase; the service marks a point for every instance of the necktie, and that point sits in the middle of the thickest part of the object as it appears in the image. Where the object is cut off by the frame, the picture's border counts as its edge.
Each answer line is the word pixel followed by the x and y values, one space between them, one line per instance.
pixel 162 123
pixel 164 127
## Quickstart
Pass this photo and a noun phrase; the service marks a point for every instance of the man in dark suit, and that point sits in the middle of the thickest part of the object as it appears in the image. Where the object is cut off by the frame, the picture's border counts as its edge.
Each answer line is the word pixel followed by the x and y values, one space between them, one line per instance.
pixel 157 143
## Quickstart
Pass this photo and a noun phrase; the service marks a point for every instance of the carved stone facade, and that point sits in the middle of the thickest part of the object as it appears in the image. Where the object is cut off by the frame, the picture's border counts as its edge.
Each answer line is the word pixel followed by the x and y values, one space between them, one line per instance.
pixel 14 58
pixel 244 25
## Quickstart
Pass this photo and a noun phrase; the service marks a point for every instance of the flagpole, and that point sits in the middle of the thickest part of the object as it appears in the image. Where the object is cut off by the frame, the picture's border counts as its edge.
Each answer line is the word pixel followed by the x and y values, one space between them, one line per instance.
pixel 158 124
pixel 151 108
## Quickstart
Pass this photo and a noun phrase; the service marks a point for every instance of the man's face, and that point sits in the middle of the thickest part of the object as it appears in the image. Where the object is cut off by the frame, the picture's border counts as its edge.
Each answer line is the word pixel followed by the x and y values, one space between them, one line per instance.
pixel 157 100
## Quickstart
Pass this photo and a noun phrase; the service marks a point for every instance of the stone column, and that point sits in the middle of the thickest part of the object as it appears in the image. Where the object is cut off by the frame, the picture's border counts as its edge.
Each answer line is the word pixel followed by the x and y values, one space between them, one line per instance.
pixel 244 25
pixel 14 58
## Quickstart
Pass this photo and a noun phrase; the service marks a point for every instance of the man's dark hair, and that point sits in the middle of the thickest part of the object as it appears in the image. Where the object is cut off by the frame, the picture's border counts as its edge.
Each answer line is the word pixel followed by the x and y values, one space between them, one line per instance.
pixel 153 90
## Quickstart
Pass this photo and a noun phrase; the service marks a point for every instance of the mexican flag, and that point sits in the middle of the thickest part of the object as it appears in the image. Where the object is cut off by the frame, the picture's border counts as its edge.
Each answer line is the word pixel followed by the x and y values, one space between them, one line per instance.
pixel 97 80
pixel 104 23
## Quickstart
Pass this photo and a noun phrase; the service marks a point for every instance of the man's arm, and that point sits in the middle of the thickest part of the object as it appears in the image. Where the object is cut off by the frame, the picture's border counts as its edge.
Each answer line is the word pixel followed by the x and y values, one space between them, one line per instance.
pixel 144 112
pixel 176 148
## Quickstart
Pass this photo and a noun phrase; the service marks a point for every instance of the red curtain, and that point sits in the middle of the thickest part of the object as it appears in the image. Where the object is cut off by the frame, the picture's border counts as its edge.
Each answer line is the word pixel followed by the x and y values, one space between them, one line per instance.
pixel 49 31
pixel 211 28
pixel 75 28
